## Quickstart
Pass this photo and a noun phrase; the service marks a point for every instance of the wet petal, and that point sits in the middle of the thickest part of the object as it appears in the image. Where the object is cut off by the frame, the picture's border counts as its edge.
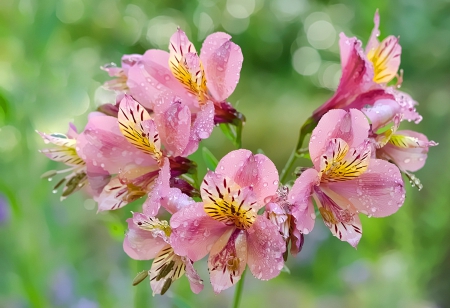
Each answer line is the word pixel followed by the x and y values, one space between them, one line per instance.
pixel 381 113
pixel 407 104
pixel 166 268
pixel 226 263
pixel 246 169
pixel 300 198
pixel 385 59
pixel 265 249
pixel 378 192
pixel 373 42
pixel 222 60
pixel 138 128
pixel 351 126
pixel 407 149
pixel 194 232
pixel 195 281
pixel 227 202
pixel 140 244
pixel 339 215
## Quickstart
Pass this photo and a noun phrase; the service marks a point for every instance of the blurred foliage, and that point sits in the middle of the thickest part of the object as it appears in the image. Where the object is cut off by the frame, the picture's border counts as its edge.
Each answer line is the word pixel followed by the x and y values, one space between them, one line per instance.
pixel 63 254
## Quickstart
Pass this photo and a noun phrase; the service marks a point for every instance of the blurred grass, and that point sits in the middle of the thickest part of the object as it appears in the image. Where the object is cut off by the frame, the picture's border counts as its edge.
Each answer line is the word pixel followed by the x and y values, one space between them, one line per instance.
pixel 62 254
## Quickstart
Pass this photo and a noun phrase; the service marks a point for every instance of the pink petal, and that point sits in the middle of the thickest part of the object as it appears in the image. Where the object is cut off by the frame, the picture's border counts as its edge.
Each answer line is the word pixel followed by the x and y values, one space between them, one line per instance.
pixel 129 61
pixel 201 128
pixel 381 113
pixel 300 198
pixel 410 158
pixel 378 192
pixel 102 144
pixel 386 59
pixel 140 244
pixel 174 126
pixel 195 281
pixel 222 61
pixel 357 76
pixel 407 104
pixel 265 249
pixel 373 40
pixel 339 215
pixel 351 126
pixel 226 263
pixel 194 232
pixel 151 79
pixel 246 169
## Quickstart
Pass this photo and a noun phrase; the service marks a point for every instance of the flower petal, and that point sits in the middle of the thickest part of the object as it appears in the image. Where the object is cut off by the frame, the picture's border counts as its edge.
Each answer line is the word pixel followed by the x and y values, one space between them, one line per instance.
pixel 195 281
pixel 407 149
pixel 246 169
pixel 381 113
pixel 351 126
pixel 140 244
pixel 385 59
pixel 300 198
pixel 222 60
pixel 137 126
pixel 227 263
pixel 378 192
pixel 194 232
pixel 373 42
pixel 339 215
pixel 166 268
pixel 265 249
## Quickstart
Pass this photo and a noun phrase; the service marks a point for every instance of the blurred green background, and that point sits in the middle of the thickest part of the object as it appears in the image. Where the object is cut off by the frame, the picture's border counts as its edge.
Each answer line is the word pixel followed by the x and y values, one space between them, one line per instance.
pixel 63 254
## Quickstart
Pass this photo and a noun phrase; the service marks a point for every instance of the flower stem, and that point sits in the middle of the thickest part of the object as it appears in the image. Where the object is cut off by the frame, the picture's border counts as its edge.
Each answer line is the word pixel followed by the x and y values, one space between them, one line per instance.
pixel 306 129
pixel 238 291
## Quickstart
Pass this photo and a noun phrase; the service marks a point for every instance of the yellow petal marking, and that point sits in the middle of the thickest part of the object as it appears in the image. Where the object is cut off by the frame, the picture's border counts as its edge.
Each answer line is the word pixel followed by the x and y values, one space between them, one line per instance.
pixel 130 117
pixel 385 59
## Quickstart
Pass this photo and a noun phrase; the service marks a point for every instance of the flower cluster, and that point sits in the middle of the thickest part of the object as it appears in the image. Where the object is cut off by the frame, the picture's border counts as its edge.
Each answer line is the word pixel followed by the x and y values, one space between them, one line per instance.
pixel 240 213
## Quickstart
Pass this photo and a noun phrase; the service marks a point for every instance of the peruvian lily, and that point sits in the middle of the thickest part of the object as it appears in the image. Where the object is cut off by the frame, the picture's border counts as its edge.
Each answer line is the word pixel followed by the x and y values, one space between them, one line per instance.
pixel 405 148
pixel 119 83
pixel 345 180
pixel 227 225
pixel 366 74
pixel 148 238
pixel 128 146
pixel 65 152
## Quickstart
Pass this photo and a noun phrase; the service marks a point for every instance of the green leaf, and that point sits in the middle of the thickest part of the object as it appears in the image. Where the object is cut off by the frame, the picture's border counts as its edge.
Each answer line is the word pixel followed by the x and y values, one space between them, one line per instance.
pixel 209 158
pixel 233 132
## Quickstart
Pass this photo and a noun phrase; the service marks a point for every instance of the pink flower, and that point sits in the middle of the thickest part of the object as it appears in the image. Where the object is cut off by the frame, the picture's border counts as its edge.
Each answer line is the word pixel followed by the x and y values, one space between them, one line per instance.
pixel 148 238
pixel 366 74
pixel 226 224
pixel 345 179
pixel 121 73
pixel 65 152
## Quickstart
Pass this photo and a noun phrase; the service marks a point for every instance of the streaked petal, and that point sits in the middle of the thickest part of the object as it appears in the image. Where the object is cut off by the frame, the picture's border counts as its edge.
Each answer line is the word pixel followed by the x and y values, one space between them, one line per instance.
pixel 246 169
pixel 195 281
pixel 166 268
pixel 194 232
pixel 339 215
pixel 351 126
pixel 222 60
pixel 227 263
pixel 407 149
pixel 265 249
pixel 140 244
pixel 138 128
pixel 378 192
pixel 227 202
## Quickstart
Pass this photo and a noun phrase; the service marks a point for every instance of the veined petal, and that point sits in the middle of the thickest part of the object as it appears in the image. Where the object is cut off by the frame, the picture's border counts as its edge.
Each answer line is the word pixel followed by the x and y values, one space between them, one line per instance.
pixel 226 201
pixel 166 268
pixel 195 281
pixel 339 163
pixel 249 170
pixel 265 249
pixel 385 59
pixel 222 60
pixel 65 155
pixel 407 149
pixel 352 127
pixel 378 192
pixel 339 216
pixel 186 65
pixel 373 42
pixel 137 126
pixel 194 232
pixel 140 244
pixel 58 139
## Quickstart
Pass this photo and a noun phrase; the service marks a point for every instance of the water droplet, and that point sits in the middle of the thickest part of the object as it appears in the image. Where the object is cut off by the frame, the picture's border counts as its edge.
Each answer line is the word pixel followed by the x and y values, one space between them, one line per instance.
pixel 54 191
pixel 50 179
pixel 265 184
pixel 275 182
pixel 407 160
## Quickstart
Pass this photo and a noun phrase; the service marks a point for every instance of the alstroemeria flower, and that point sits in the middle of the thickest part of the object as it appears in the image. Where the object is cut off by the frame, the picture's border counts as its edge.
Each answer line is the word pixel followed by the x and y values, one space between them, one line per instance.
pixel 345 179
pixel 226 224
pixel 366 74
pixel 65 152
pixel 148 238
pixel 120 73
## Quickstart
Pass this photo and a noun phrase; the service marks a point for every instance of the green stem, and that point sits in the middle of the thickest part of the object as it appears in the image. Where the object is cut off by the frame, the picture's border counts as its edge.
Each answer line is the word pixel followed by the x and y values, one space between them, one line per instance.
pixel 306 129
pixel 238 291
